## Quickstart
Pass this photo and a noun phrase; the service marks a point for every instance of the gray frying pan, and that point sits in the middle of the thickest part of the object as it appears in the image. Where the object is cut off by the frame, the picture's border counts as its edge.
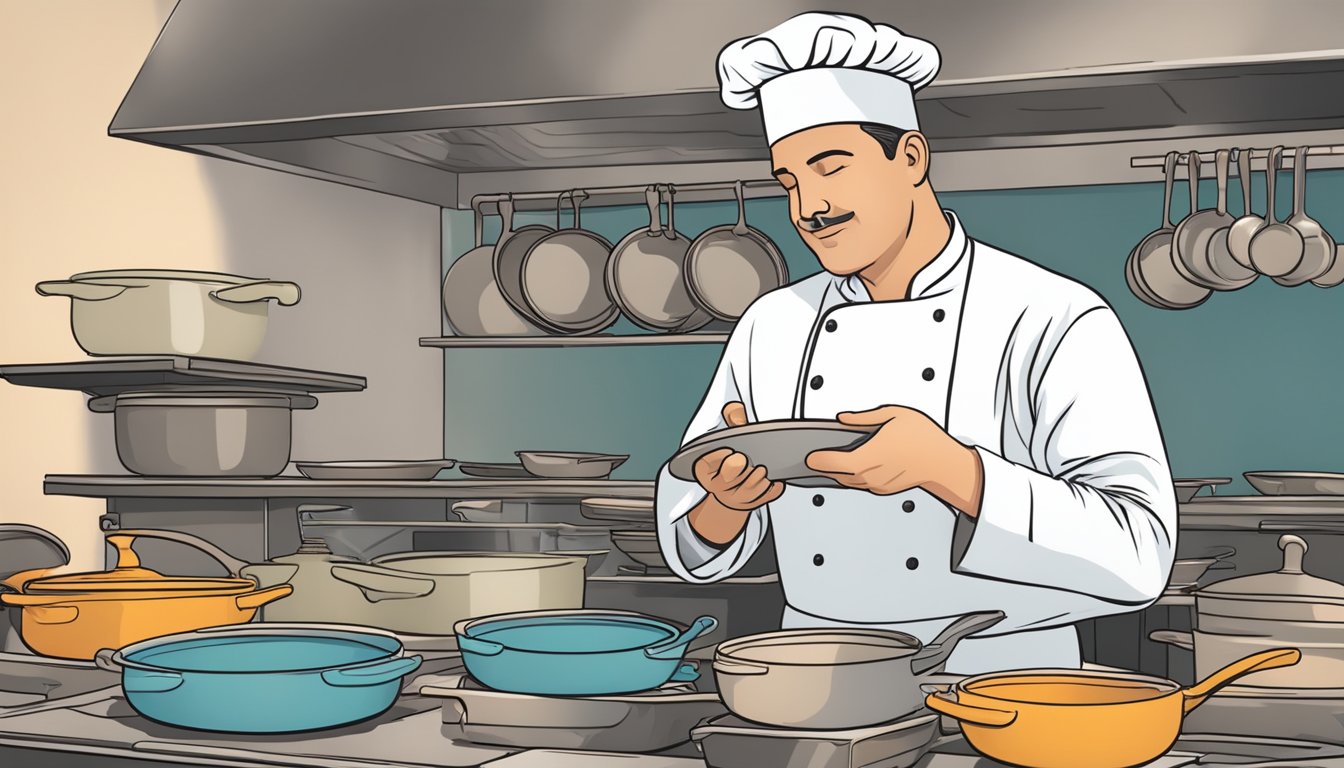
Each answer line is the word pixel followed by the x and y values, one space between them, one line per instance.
pixel 562 277
pixel 644 274
pixel 730 266
pixel 509 254
pixel 472 301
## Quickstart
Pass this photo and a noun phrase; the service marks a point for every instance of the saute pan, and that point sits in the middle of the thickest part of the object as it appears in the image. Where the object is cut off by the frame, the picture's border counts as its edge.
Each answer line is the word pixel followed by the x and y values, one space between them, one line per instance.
pixel 1055 718
pixel 840 678
pixel 730 266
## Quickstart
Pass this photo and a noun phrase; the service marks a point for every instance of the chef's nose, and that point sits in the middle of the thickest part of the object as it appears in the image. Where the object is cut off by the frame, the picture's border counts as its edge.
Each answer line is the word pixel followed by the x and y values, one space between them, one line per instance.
pixel 811 206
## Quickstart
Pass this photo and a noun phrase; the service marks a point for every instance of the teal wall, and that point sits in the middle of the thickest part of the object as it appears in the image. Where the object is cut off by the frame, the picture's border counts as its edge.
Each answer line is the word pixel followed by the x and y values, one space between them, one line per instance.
pixel 1252 379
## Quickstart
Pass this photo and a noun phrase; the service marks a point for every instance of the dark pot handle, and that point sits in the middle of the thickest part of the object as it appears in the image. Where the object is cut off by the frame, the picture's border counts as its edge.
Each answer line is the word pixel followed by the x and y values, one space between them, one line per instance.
pixel 674 648
pixel 380 672
pixel 932 656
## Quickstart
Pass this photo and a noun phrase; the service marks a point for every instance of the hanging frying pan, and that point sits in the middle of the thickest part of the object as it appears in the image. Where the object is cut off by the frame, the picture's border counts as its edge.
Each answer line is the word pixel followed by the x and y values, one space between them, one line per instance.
pixel 563 277
pixel 471 298
pixel 644 275
pixel 730 266
pixel 509 254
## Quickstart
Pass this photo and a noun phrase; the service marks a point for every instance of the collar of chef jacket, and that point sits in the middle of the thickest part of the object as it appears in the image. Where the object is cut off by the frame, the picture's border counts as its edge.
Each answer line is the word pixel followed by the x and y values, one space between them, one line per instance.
pixel 941 274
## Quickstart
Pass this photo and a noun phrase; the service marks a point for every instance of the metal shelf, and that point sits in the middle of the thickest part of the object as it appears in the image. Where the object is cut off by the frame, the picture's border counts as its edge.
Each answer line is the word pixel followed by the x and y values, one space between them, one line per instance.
pixel 1183 158
pixel 524 342
pixel 113 375
pixel 291 487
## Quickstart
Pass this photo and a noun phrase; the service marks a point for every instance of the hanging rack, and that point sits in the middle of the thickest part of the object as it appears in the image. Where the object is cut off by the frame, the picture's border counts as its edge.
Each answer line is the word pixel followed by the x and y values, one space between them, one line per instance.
pixel 703 192
pixel 1157 161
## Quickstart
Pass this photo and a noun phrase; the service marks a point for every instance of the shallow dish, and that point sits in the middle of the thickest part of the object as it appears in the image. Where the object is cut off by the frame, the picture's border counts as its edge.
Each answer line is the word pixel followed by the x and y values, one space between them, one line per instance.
pixel 493 469
pixel 1297 483
pixel 571 465
pixel 781 445
pixel 640 546
pixel 373 470
pixel 618 510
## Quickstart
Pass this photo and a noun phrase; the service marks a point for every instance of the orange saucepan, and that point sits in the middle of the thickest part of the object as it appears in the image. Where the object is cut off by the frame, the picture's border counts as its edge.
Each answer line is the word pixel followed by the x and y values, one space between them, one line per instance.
pixel 75 616
pixel 1070 718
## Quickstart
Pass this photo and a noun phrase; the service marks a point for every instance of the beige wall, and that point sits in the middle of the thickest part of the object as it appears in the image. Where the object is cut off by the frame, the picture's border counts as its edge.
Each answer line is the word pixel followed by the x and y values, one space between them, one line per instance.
pixel 74 200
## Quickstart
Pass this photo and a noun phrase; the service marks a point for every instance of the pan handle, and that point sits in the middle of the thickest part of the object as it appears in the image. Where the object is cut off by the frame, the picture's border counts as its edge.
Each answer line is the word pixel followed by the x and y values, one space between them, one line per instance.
pixel 478 646
pixel 382 584
pixel 1184 640
pixel 740 228
pixel 944 704
pixel 932 656
pixel 83 291
pixel 128 559
pixel 686 673
pixel 576 198
pixel 675 647
pixel 286 293
pixel 671 232
pixel 377 673
pixel 253 600
pixel 1302 526
pixel 1272 659
pixel 655 209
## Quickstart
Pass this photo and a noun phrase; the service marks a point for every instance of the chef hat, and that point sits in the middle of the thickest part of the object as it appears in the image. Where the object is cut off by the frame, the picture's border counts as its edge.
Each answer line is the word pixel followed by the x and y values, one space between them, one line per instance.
pixel 825 68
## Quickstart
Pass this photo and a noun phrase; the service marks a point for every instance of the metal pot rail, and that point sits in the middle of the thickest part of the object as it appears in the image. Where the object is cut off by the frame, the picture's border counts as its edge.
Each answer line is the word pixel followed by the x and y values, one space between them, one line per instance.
pixel 1183 158
pixel 634 195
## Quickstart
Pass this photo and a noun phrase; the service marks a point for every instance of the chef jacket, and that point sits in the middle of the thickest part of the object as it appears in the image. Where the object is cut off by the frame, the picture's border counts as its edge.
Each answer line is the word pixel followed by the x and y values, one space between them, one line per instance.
pixel 1031 369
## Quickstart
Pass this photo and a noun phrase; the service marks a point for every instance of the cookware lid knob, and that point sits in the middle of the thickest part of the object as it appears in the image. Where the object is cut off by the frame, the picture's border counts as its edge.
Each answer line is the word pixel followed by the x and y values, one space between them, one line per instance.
pixel 1289 581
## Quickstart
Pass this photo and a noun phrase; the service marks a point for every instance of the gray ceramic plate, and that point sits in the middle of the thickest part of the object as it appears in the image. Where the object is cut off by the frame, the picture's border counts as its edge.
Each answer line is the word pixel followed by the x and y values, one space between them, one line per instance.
pixel 373 470
pixel 618 510
pixel 1297 483
pixel 493 469
pixel 571 465
pixel 781 446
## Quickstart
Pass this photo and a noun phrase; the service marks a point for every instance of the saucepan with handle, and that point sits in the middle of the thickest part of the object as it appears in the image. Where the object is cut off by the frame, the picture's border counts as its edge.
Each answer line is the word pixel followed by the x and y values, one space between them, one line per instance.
pixel 1065 718
pixel 834 678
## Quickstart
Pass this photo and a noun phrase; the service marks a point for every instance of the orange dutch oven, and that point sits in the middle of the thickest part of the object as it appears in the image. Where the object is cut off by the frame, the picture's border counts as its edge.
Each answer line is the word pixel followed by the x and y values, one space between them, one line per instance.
pixel 1072 718
pixel 76 615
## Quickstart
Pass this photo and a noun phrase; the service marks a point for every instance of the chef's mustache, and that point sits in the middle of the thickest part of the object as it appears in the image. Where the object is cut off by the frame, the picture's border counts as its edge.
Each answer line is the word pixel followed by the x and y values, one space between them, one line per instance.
pixel 819 222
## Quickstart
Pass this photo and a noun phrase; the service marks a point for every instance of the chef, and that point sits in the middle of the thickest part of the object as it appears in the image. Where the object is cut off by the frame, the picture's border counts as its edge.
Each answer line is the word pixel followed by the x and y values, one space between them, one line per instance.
pixel 1016 463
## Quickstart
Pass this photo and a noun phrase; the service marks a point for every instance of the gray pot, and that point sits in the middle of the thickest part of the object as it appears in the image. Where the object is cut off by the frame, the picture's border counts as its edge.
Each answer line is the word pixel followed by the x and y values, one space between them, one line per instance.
pixel 422 593
pixel 1286 608
pixel 837 678
pixel 169 312
pixel 203 434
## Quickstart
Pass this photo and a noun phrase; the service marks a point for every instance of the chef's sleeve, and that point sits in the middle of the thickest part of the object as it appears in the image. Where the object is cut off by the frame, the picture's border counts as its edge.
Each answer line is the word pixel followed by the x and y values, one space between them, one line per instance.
pixel 689 556
pixel 1093 509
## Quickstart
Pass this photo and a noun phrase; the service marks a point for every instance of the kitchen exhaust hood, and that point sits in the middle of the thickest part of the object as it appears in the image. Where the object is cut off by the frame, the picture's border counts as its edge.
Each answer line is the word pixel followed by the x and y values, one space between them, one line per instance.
pixel 437 100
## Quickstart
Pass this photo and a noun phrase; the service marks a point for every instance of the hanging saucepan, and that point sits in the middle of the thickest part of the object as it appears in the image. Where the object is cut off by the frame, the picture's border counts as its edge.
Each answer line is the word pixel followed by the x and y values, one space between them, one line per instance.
pixel 563 279
pixel 730 266
pixel 1270 610
pixel 263 678
pixel 509 252
pixel 1056 718
pixel 839 678
pixel 577 652
pixel 645 273
pixel 74 616
pixel 28 552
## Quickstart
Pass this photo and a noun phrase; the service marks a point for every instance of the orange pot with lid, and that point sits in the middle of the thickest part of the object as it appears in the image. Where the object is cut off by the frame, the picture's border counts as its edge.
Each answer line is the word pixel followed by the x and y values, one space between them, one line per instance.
pixel 73 616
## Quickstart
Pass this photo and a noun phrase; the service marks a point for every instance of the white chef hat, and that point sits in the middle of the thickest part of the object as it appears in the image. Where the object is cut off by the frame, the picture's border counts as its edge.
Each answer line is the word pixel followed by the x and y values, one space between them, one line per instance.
pixel 824 68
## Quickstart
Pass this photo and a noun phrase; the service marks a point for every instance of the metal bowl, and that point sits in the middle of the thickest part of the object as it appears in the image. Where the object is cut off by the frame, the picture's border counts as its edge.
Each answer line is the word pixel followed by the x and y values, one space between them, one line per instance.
pixel 570 465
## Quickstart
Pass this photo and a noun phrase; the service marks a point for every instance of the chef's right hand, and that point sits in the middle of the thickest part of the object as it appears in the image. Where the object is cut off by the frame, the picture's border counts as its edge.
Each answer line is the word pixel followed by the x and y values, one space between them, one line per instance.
pixel 729 476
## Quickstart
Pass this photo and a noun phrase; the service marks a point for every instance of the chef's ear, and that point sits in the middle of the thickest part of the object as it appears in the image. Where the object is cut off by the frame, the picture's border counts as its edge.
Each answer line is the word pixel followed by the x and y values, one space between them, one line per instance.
pixel 914 152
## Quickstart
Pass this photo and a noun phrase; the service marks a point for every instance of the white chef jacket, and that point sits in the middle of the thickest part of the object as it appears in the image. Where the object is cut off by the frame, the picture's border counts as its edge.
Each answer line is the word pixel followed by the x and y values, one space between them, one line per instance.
pixel 1033 370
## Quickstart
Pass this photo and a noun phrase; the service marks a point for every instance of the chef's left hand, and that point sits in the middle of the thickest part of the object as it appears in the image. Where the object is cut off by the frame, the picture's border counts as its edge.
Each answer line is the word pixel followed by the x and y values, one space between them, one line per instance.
pixel 909 450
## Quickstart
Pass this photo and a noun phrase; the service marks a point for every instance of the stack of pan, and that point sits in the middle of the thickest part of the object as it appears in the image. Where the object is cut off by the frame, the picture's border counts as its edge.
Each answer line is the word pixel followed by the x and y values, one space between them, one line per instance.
pixel 1287 608
pixel 571 282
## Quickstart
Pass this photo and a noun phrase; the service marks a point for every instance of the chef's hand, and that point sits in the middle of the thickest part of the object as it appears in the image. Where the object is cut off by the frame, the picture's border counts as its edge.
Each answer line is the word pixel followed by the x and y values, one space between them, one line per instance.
pixel 730 477
pixel 908 450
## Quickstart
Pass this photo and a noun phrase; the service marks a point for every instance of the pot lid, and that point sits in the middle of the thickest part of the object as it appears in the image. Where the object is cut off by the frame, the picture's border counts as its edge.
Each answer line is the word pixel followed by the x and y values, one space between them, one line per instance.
pixel 164 274
pixel 129 576
pixel 1288 583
